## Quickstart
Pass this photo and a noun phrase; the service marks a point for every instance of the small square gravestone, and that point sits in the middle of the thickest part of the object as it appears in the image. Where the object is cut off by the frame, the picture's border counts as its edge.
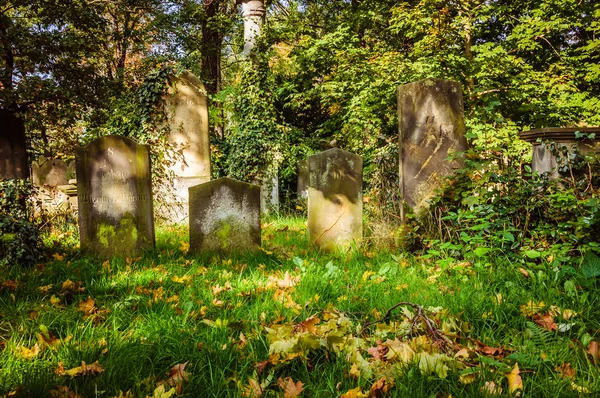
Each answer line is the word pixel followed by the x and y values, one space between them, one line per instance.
pixel 430 127
pixel 13 147
pixel 334 199
pixel 224 216
pixel 114 194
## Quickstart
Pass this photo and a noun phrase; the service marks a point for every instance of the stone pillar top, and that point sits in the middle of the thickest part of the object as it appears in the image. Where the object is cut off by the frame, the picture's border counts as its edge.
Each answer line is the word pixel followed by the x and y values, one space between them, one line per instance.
pixel 558 134
pixel 252 8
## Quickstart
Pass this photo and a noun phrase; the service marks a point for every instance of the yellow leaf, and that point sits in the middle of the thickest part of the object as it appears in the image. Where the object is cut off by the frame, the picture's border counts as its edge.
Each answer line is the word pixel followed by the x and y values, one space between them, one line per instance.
pixel 55 301
pixel 58 257
pixel 514 380
pixel 580 389
pixel 83 370
pixel 253 389
pixel 354 393
pixel 184 247
pixel 29 353
pixel 399 350
pixel 87 307
pixel 532 308
pixel 468 378
pixel 159 392
pixel 367 274
pixel 182 279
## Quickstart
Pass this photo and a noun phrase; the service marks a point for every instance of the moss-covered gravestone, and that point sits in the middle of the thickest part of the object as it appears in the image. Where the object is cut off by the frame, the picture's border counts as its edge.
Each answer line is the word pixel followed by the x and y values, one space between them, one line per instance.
pixel 431 126
pixel 13 150
pixel 51 172
pixel 334 199
pixel 114 194
pixel 224 216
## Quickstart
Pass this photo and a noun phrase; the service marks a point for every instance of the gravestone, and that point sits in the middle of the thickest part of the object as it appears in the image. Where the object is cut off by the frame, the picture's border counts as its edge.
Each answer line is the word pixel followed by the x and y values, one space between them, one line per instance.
pixel 51 172
pixel 13 147
pixel 566 143
pixel 187 112
pixel 114 194
pixel 431 126
pixel 334 199
pixel 224 216
pixel 302 185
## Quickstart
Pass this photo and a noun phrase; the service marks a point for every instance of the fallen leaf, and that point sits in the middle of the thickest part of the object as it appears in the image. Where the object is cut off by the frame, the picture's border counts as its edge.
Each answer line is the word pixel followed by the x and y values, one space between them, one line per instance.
pixel 532 308
pixel 87 307
pixel 380 387
pixel 63 392
pixel 29 353
pixel 58 257
pixel 159 392
pixel 580 389
pixel 565 370
pixel 253 389
pixel 178 375
pixel 354 393
pixel 545 321
pixel 83 370
pixel 491 388
pixel 514 380
pixel 524 272
pixel 10 285
pixel 593 351
pixel 308 325
pixel 290 389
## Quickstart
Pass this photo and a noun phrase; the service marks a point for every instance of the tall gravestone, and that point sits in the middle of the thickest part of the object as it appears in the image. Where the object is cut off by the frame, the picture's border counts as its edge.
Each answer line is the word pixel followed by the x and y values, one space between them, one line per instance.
pixel 187 112
pixel 114 194
pixel 13 148
pixel 224 216
pixel 431 126
pixel 334 199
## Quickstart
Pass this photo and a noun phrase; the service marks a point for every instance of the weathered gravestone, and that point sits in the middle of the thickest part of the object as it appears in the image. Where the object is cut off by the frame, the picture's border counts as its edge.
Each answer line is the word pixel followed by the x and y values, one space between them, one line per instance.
pixel 552 147
pixel 187 112
pixel 431 126
pixel 51 172
pixel 13 149
pixel 302 185
pixel 224 216
pixel 334 199
pixel 114 194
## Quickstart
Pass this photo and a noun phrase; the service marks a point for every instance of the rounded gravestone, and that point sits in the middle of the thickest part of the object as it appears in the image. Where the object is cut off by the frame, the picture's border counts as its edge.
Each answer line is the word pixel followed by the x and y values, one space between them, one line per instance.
pixel 224 216
pixel 334 199
pixel 114 194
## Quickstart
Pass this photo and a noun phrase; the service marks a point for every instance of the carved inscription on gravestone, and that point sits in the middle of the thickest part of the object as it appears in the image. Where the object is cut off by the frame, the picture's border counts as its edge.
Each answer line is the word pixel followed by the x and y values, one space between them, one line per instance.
pixel 334 199
pixel 431 126
pixel 224 216
pixel 114 194
pixel 13 150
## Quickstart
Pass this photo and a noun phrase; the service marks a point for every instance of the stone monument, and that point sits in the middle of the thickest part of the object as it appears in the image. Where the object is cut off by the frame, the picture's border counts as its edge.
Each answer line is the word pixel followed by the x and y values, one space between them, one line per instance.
pixel 187 111
pixel 302 184
pixel 13 147
pixel 224 216
pixel 51 172
pixel 114 194
pixel 545 160
pixel 431 126
pixel 334 199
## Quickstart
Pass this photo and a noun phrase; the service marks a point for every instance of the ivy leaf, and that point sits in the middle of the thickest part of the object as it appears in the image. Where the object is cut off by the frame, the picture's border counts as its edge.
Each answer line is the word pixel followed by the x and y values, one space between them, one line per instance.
pixel 591 265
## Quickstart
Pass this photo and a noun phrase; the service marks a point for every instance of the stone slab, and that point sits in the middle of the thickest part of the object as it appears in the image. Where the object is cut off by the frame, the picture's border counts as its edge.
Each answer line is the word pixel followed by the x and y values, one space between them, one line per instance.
pixel 224 216
pixel 13 147
pixel 335 199
pixel 50 172
pixel 114 195
pixel 430 127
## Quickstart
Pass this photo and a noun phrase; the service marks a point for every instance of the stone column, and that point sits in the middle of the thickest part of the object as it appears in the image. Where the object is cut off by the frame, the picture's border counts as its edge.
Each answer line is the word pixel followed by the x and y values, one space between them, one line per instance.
pixel 253 13
pixel 431 126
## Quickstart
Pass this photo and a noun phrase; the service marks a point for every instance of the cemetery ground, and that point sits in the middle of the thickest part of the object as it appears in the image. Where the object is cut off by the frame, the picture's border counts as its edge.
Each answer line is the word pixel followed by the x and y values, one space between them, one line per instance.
pixel 292 321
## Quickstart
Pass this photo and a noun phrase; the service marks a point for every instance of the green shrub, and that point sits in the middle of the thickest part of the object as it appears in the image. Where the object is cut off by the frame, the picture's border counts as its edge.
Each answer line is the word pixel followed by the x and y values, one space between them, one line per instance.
pixel 19 236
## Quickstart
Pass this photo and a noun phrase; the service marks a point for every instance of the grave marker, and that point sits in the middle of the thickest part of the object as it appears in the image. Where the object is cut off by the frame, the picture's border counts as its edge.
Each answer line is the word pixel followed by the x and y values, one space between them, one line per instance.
pixel 13 148
pixel 334 199
pixel 224 216
pixel 114 194
pixel 430 127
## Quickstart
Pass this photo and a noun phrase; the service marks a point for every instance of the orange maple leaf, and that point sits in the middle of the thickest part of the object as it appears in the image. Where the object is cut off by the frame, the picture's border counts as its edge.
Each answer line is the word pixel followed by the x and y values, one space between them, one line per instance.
pixel 308 325
pixel 290 388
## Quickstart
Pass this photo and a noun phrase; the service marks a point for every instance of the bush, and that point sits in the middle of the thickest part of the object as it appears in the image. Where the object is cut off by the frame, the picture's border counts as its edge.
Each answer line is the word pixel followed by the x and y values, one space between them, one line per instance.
pixel 19 235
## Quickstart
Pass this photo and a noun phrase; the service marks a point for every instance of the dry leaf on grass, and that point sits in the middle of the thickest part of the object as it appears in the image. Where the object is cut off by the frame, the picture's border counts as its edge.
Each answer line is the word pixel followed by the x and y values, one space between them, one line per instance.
pixel 290 388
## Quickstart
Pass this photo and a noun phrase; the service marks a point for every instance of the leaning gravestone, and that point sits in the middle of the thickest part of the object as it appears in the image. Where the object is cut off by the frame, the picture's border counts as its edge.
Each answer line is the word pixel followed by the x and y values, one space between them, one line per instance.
pixel 224 216
pixel 13 149
pixel 334 199
pixel 431 126
pixel 114 195
pixel 187 112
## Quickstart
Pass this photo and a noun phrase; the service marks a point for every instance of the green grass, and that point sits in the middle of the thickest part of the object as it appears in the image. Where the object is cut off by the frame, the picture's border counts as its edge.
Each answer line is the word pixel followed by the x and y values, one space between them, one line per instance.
pixel 170 307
